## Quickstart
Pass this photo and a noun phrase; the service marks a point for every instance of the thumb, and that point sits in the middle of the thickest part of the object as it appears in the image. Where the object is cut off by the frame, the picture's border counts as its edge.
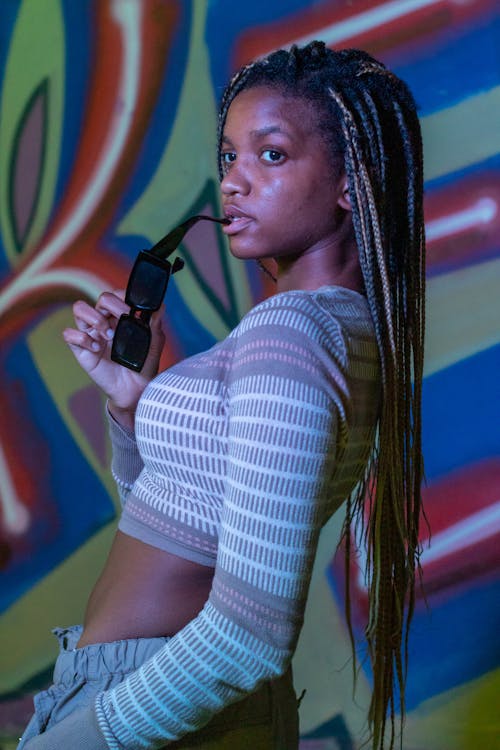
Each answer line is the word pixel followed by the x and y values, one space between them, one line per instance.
pixel 157 344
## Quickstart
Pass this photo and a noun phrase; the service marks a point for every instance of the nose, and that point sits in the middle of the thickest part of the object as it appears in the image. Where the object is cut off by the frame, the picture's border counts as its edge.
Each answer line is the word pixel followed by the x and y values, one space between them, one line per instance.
pixel 236 180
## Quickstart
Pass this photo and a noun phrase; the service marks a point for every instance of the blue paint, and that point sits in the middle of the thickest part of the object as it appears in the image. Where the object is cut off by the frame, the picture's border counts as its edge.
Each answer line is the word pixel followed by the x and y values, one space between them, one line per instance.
pixel 456 641
pixel 463 64
pixel 226 22
pixel 452 642
pixel 461 414
pixel 333 729
pixel 72 501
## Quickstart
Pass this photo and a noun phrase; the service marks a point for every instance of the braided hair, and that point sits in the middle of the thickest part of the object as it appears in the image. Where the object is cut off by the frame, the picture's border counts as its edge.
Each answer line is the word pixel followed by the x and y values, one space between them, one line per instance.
pixel 368 114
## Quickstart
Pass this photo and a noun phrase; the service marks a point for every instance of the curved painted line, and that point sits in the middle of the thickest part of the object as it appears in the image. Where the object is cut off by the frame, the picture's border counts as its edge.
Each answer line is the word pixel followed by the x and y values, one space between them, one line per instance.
pixel 72 278
pixel 128 17
pixel 38 96
pixel 16 517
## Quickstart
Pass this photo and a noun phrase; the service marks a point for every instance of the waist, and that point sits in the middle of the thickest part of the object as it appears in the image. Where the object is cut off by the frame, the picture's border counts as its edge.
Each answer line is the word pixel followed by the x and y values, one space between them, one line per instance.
pixel 184 526
pixel 144 592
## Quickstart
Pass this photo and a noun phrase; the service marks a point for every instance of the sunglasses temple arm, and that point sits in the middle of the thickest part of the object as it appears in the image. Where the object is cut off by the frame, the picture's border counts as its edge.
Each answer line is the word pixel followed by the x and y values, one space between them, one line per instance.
pixel 168 244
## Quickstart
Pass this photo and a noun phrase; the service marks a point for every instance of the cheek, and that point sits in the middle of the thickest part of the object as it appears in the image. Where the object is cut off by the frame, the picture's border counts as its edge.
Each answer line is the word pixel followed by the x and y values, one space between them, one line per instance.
pixel 271 191
pixel 281 198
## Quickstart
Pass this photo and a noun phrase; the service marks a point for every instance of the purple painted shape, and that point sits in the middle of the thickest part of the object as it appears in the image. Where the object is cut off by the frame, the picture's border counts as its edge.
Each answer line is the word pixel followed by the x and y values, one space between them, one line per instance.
pixel 27 166
pixel 203 245
pixel 86 407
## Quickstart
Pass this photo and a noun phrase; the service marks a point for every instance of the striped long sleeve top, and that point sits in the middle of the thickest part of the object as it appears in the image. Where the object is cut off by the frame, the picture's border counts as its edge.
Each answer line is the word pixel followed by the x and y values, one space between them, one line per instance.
pixel 241 454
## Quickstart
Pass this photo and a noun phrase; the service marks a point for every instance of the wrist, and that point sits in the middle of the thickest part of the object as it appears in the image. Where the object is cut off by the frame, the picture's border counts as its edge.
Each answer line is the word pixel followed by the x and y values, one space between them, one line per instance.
pixel 124 416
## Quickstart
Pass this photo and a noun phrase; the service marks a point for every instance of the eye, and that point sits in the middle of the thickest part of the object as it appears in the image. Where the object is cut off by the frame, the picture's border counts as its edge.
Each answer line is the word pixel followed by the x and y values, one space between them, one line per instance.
pixel 271 156
pixel 226 159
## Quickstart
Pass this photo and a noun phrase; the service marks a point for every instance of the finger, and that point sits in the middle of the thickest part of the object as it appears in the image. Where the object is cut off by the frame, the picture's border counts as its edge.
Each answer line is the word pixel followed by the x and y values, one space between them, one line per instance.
pixel 152 363
pixel 98 325
pixel 82 341
pixel 112 303
pixel 87 316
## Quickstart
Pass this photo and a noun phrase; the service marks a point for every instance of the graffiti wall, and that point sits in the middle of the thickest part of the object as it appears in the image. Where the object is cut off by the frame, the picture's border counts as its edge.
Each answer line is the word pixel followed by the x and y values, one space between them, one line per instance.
pixel 107 122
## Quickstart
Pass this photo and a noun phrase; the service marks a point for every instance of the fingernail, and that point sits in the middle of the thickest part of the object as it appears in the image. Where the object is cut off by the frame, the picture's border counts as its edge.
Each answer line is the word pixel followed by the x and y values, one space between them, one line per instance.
pixel 110 333
pixel 95 346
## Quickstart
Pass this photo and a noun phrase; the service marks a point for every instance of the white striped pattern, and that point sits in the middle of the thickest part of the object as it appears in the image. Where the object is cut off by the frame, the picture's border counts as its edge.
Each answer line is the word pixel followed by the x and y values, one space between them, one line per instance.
pixel 240 446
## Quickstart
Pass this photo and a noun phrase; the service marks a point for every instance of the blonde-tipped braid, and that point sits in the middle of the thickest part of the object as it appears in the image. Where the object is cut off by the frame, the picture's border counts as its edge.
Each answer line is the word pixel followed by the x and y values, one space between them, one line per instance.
pixel 368 114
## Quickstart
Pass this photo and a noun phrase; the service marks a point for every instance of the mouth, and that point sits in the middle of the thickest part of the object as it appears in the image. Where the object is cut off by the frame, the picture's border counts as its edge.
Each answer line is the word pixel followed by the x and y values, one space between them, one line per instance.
pixel 238 220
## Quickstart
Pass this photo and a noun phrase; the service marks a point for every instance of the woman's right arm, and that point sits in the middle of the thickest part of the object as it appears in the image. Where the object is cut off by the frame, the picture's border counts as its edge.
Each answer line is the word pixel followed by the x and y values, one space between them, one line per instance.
pixel 90 341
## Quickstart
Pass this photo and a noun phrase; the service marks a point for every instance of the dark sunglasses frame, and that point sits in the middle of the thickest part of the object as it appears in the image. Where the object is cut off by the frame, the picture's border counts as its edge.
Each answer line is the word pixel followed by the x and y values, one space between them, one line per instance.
pixel 145 292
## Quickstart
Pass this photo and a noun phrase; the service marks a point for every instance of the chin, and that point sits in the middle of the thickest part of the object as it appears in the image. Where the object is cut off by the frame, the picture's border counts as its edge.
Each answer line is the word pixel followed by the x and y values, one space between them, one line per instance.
pixel 244 253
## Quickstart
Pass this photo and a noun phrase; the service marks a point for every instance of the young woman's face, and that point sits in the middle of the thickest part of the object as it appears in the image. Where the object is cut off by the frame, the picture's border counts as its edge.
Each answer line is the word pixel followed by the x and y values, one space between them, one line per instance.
pixel 281 189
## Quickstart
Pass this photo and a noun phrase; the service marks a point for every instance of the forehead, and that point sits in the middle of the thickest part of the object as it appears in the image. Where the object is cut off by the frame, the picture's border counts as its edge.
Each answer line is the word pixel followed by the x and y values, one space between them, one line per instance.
pixel 263 109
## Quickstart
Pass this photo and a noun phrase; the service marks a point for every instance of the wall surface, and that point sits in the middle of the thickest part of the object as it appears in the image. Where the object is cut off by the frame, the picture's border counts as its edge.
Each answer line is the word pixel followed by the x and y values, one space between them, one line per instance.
pixel 107 116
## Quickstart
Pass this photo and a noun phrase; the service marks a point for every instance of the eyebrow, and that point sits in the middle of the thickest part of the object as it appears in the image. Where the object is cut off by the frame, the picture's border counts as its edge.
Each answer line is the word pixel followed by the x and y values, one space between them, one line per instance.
pixel 261 132
pixel 267 131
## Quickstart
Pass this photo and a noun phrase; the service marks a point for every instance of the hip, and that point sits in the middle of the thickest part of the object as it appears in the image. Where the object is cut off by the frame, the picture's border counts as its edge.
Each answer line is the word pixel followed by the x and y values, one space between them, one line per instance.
pixel 266 719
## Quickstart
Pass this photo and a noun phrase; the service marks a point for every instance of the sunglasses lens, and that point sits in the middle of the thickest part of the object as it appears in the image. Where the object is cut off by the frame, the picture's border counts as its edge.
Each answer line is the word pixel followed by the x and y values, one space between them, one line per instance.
pixel 148 282
pixel 131 342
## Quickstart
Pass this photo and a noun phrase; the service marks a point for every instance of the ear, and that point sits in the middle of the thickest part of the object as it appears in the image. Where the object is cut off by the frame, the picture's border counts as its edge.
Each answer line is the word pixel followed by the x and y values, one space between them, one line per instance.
pixel 344 200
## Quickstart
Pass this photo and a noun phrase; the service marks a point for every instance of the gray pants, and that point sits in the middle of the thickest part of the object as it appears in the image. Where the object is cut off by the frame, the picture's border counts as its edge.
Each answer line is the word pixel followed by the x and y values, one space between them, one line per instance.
pixel 266 719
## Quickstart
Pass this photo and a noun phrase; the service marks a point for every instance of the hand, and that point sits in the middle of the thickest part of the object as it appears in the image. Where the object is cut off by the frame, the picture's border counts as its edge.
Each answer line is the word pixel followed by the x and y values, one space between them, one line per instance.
pixel 91 340
pixel 78 730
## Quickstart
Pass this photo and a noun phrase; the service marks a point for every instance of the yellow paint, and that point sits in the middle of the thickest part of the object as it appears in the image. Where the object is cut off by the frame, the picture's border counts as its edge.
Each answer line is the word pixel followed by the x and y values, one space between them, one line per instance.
pixel 323 660
pixel 462 135
pixel 464 718
pixel 463 314
pixel 59 599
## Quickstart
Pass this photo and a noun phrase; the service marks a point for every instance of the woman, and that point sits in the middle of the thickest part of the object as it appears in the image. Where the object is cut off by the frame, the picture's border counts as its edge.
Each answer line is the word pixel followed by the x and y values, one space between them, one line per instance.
pixel 246 450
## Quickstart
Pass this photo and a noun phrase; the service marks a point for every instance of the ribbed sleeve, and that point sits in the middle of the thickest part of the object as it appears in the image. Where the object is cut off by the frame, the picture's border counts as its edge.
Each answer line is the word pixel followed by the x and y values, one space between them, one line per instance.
pixel 290 400
pixel 126 462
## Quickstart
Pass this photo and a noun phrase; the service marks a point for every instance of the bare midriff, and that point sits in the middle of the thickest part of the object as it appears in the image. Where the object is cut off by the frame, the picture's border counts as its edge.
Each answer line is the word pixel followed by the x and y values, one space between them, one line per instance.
pixel 143 592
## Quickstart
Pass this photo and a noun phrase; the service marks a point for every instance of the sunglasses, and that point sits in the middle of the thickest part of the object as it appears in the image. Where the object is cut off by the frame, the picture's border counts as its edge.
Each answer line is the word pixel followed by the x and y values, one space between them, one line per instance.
pixel 146 289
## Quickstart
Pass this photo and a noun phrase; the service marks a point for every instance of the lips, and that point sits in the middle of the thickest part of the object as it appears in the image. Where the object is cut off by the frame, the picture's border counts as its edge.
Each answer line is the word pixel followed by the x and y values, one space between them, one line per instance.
pixel 238 218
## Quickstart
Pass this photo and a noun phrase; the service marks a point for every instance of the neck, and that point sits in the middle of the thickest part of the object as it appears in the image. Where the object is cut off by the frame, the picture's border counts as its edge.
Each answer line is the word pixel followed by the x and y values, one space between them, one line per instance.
pixel 335 263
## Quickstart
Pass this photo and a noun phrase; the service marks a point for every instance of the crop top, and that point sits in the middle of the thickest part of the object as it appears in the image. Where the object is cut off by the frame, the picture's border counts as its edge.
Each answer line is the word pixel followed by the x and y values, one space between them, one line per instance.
pixel 243 453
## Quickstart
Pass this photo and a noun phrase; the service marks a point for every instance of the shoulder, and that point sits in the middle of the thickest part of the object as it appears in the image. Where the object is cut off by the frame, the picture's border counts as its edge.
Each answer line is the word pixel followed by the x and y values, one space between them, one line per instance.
pixel 306 331
pixel 319 315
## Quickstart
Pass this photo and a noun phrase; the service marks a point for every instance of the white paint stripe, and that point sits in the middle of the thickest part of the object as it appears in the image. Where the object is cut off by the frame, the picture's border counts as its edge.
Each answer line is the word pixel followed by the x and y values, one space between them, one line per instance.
pixel 70 278
pixel 16 517
pixel 476 528
pixel 366 21
pixel 482 212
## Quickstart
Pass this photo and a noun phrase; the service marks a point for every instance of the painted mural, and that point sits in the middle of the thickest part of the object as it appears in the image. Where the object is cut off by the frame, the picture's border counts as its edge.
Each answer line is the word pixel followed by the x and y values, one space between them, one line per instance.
pixel 107 122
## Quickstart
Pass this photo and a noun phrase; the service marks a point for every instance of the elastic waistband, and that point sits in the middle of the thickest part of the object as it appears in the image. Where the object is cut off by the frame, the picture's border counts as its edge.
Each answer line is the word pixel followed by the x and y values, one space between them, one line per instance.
pixel 92 661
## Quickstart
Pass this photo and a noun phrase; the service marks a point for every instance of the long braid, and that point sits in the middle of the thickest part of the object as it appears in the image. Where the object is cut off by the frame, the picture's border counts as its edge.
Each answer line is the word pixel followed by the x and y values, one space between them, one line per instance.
pixel 365 112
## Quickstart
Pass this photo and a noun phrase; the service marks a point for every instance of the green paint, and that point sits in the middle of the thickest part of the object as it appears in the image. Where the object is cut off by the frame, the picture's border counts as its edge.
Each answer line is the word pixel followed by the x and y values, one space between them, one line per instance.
pixel 203 301
pixel 36 55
